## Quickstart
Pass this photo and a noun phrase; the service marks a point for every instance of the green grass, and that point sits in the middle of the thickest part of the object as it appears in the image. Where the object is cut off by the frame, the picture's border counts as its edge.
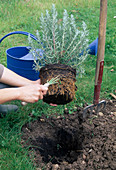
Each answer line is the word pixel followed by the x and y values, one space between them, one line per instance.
pixel 24 15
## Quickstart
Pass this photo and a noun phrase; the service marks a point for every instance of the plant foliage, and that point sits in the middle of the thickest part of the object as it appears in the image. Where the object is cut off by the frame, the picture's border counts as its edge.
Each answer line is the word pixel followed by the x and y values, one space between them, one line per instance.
pixel 60 41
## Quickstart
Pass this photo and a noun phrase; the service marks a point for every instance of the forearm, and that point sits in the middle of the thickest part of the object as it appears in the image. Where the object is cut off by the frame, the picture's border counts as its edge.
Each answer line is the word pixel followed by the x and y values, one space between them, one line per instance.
pixel 30 93
pixel 9 94
pixel 13 79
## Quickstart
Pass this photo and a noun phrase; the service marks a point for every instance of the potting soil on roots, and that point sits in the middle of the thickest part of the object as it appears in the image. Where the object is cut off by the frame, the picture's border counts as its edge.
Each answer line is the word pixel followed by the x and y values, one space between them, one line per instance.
pixel 70 142
pixel 64 91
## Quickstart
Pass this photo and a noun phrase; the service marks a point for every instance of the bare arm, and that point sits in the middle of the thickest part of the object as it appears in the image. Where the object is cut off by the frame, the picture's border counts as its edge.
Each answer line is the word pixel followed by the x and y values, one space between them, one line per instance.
pixel 13 79
pixel 8 94
pixel 27 90
pixel 30 93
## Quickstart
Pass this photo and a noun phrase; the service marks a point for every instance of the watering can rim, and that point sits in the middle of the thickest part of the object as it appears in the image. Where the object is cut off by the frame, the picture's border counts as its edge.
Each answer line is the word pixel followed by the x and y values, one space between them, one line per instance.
pixel 16 57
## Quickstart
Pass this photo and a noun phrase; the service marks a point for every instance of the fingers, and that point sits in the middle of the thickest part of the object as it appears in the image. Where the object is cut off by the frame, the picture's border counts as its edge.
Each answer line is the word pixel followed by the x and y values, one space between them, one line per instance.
pixel 41 95
pixel 43 89
pixel 40 91
pixel 51 104
pixel 32 93
pixel 38 81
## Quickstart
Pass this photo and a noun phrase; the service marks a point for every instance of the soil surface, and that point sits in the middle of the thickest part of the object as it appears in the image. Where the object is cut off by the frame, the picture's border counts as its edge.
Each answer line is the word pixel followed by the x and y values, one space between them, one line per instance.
pixel 70 142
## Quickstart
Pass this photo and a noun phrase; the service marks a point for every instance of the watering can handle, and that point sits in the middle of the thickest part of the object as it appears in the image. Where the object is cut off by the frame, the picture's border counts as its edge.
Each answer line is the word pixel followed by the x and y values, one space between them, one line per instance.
pixel 18 32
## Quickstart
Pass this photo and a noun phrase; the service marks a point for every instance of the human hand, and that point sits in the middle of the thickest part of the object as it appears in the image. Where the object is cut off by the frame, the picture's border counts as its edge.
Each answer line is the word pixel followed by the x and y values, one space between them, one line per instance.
pixel 39 82
pixel 32 93
pixel 51 104
pixel 36 82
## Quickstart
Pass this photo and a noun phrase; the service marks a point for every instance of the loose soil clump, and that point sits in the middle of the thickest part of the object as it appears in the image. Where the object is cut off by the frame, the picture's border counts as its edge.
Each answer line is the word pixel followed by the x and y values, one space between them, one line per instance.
pixel 64 91
pixel 70 142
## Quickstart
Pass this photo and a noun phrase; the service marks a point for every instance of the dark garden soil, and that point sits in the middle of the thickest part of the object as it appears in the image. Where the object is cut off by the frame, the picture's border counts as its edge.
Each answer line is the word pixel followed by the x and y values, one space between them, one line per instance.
pixel 70 143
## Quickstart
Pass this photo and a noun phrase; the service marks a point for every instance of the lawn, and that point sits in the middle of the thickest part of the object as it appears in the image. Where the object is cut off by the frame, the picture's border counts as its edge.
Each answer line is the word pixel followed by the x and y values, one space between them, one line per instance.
pixel 23 15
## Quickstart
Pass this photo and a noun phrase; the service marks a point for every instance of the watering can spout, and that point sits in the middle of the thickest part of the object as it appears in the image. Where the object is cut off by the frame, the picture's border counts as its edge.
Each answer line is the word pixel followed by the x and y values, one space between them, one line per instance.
pixel 92 49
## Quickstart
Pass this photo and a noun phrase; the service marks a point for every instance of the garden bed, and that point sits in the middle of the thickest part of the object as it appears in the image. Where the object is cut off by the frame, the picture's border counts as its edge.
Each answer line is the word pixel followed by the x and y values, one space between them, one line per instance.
pixel 70 143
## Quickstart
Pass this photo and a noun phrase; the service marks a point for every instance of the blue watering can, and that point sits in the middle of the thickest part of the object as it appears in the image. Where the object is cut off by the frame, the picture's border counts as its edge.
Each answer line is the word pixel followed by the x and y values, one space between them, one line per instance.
pixel 21 61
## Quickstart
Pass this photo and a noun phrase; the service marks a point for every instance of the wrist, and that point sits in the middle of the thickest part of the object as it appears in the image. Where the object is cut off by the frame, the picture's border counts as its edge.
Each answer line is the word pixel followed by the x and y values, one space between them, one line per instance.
pixel 18 92
pixel 36 82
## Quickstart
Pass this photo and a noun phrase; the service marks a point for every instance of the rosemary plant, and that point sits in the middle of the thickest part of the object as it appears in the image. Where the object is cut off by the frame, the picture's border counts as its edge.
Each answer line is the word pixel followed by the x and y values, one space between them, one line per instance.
pixel 60 41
